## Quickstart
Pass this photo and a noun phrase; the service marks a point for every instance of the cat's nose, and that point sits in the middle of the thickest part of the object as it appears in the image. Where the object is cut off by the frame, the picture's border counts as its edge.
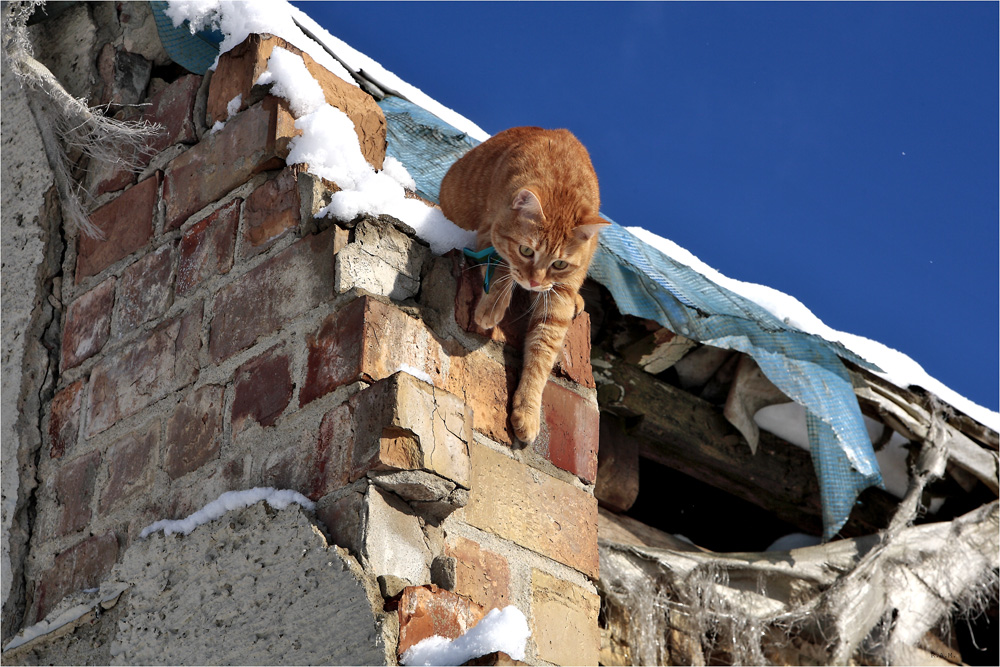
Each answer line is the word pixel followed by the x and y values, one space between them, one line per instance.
pixel 534 283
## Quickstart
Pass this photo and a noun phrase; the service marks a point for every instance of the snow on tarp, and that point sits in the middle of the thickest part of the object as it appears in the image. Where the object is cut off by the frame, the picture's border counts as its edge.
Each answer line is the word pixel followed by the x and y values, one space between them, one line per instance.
pixel 500 630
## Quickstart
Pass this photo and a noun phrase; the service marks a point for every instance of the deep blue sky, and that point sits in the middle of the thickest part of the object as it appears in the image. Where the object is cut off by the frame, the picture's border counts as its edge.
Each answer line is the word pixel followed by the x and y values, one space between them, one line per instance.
pixel 843 153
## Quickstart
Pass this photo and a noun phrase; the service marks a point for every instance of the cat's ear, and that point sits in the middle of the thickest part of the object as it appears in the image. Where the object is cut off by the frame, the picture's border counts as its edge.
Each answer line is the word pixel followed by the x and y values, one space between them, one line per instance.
pixel 590 227
pixel 527 205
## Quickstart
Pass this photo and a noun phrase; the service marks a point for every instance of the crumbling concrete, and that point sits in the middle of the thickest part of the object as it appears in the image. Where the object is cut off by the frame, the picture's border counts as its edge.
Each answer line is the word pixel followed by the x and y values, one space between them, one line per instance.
pixel 257 586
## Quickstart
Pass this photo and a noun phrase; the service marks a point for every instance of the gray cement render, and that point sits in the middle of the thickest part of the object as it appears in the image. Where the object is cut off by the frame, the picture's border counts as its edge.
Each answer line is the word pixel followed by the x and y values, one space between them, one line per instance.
pixel 257 586
pixel 26 180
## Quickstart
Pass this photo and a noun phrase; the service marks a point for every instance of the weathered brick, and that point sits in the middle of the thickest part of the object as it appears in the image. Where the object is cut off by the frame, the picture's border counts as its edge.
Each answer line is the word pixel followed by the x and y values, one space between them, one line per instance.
pixel 319 461
pixel 428 611
pixel 263 388
pixel 129 465
pixel 240 67
pixel 173 108
pixel 194 431
pixel 271 212
pixel 283 287
pixel 145 371
pixel 351 345
pixel 381 260
pixel 480 574
pixel 548 516
pixel 88 324
pixel 74 487
pixel 207 248
pixel 144 292
pixel 574 360
pixel 569 436
pixel 81 566
pixel 564 621
pixel 252 142
pixel 402 423
pixel 64 419
pixel 127 224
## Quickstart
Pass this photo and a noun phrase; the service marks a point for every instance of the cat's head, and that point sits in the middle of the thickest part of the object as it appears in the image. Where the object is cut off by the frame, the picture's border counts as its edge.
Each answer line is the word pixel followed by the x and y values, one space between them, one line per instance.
pixel 543 252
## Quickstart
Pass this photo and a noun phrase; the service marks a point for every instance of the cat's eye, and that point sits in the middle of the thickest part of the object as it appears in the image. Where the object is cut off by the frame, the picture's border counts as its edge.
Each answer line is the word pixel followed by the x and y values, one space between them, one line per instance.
pixel 526 251
pixel 560 264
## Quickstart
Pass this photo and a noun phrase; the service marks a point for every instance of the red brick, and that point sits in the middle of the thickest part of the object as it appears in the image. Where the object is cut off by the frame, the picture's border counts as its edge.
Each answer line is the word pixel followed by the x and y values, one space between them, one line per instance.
pixel 263 388
pixel 252 142
pixel 129 466
pixel 64 419
pixel 570 433
pixel 74 486
pixel 240 67
pixel 127 225
pixel 79 567
pixel 426 611
pixel 173 108
pixel 144 292
pixel 481 575
pixel 272 210
pixel 207 248
pixel 145 371
pixel 282 288
pixel 194 431
pixel 369 340
pixel 88 324
pixel 319 462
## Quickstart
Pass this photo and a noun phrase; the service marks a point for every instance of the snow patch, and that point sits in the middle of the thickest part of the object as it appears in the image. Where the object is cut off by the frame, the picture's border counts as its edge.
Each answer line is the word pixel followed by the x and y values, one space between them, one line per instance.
pixel 415 372
pixel 292 80
pixel 227 502
pixel 500 630
pixel 47 625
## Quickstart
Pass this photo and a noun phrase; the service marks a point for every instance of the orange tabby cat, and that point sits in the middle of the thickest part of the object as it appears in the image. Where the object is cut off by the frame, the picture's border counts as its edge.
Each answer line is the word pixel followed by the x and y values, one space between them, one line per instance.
pixel 532 195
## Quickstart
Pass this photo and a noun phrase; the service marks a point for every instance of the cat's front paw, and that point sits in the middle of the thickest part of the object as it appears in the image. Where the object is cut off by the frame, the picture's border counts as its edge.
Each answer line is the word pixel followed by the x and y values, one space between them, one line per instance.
pixel 488 314
pixel 526 419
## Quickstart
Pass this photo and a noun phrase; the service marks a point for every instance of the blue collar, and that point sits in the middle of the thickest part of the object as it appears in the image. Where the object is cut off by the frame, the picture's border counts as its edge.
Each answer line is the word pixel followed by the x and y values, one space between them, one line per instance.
pixel 488 256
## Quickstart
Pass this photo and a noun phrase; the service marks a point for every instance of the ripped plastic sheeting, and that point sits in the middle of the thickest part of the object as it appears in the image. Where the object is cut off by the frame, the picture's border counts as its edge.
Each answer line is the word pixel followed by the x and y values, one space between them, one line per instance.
pixel 863 598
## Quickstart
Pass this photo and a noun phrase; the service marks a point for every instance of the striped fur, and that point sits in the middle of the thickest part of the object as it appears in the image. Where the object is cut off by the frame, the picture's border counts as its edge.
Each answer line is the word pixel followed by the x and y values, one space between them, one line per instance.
pixel 532 194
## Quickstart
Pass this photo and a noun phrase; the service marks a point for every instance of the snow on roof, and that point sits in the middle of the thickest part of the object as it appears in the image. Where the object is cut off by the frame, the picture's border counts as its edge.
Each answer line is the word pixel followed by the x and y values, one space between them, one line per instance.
pixel 237 20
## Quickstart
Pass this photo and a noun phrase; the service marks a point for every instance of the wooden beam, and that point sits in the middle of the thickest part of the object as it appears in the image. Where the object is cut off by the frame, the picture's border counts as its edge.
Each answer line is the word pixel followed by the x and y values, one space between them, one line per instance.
pixel 690 435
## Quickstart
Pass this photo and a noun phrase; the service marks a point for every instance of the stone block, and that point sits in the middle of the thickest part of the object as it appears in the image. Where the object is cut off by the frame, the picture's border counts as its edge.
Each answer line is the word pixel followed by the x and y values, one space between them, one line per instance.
pixel 402 423
pixel 252 142
pixel 428 611
pixel 145 370
pixel 74 487
pixel 126 223
pixel 480 574
pixel 88 324
pixel 64 419
pixel 393 542
pixel 262 300
pixel 144 290
pixel 381 260
pixel 543 514
pixel 263 388
pixel 129 466
pixel 271 212
pixel 78 567
pixel 206 249
pixel 194 431
pixel 239 69
pixel 564 621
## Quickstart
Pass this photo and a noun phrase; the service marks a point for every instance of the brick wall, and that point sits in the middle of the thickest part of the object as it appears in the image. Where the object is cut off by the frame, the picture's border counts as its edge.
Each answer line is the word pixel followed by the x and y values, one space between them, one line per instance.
pixel 220 337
